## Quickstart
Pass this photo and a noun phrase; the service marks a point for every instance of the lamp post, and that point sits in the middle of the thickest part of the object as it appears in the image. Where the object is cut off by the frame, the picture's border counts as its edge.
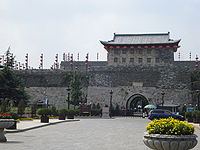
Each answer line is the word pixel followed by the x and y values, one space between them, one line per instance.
pixel 111 93
pixel 163 94
pixel 46 101
pixel 68 97
pixel 198 93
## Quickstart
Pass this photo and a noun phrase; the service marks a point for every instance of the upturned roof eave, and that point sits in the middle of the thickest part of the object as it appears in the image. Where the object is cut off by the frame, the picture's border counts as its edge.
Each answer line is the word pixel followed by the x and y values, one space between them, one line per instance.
pixel 176 42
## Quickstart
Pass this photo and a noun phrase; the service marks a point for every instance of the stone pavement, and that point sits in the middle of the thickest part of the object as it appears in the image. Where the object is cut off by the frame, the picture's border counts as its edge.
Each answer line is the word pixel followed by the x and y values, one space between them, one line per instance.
pixel 26 125
pixel 33 124
pixel 123 133
pixel 197 126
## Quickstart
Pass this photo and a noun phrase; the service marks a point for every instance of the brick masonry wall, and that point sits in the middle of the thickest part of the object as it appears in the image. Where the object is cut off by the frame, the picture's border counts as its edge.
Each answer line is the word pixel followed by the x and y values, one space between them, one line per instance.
pixel 121 95
pixel 173 79
pixel 165 56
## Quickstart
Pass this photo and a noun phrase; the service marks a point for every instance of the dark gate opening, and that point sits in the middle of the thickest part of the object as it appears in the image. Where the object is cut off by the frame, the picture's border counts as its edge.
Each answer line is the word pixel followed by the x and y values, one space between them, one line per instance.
pixel 135 105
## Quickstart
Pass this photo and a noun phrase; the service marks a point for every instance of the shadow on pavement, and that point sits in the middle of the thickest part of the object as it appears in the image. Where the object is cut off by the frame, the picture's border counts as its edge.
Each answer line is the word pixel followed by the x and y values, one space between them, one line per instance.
pixel 14 142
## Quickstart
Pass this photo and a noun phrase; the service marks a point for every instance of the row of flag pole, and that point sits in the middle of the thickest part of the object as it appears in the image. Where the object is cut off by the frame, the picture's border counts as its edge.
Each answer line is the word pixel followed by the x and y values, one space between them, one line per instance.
pixel 25 66
pixel 66 57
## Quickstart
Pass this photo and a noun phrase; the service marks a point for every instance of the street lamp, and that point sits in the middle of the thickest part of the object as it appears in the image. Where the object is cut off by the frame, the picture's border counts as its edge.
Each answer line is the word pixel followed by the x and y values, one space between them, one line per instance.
pixel 163 94
pixel 68 96
pixel 198 93
pixel 111 93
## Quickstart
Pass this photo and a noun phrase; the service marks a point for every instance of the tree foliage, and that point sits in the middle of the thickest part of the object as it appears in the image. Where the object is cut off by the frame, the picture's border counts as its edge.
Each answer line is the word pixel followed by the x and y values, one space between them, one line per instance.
pixel 76 89
pixel 74 82
pixel 21 107
pixel 11 86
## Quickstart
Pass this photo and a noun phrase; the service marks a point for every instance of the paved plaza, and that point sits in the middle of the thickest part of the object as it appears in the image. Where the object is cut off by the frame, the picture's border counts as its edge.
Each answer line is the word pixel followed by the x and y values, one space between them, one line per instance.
pixel 86 134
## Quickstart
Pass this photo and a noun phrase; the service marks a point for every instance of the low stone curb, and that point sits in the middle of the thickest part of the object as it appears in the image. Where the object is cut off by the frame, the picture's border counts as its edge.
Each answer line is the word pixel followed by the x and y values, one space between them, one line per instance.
pixel 39 126
pixel 196 126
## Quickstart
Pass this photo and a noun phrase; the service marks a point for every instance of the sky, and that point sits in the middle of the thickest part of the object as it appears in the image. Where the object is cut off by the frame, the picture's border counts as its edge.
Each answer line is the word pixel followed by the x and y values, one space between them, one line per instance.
pixel 51 27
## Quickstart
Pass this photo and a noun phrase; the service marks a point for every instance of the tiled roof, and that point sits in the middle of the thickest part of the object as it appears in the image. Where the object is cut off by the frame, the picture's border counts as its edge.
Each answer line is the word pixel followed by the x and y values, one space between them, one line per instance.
pixel 156 38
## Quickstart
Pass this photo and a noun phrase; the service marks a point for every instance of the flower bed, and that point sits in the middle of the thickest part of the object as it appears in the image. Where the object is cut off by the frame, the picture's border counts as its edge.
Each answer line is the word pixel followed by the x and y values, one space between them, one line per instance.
pixel 170 126
pixel 5 116
pixel 26 119
pixel 170 134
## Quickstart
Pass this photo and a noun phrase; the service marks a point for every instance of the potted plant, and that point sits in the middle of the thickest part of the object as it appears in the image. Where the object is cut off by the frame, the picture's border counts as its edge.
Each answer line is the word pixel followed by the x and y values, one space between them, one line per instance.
pixel 6 121
pixel 62 114
pixel 44 112
pixel 15 117
pixel 70 114
pixel 170 134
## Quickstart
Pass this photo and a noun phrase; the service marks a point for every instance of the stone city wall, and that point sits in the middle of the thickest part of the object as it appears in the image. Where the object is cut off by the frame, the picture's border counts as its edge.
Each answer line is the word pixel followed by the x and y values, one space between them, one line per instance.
pixel 174 80
pixel 121 95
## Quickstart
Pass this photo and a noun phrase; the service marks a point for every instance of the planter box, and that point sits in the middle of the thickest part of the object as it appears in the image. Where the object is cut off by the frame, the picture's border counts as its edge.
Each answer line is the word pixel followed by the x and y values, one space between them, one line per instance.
pixel 14 126
pixel 44 119
pixel 62 117
pixel 4 123
pixel 170 142
pixel 70 116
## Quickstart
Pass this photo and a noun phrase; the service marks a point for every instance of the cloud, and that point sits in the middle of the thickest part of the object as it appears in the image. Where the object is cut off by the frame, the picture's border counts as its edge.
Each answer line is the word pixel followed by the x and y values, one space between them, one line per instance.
pixel 57 26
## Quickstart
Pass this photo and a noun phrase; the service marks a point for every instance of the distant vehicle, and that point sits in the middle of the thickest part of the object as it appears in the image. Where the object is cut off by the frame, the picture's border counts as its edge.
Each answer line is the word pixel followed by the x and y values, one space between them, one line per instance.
pixel 160 113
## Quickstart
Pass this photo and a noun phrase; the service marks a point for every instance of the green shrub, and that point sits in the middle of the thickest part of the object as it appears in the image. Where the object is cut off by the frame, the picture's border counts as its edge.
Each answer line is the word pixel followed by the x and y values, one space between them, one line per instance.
pixel 44 111
pixel 13 109
pixel 188 114
pixel 28 110
pixel 95 112
pixel 71 112
pixel 54 111
pixel 62 112
pixel 170 126
pixel 77 112
pixel 196 114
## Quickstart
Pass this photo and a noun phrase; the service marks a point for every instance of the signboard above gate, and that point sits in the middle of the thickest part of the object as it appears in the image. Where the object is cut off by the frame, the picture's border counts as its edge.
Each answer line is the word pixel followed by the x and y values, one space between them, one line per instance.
pixel 137 84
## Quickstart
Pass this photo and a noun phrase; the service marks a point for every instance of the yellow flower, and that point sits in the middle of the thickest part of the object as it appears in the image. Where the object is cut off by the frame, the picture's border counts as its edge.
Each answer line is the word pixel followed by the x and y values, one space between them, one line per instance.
pixel 170 126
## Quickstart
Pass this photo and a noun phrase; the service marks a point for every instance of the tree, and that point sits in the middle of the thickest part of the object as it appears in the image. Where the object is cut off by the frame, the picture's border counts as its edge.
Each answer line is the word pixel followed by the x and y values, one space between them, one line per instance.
pixel 33 109
pixel 76 87
pixel 21 107
pixel 3 107
pixel 11 86
pixel 9 59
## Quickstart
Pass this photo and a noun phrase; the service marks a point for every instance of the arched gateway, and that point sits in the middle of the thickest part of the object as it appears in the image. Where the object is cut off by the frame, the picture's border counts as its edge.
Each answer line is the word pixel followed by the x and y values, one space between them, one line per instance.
pixel 136 103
